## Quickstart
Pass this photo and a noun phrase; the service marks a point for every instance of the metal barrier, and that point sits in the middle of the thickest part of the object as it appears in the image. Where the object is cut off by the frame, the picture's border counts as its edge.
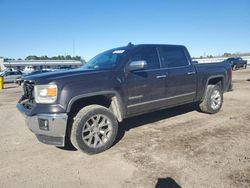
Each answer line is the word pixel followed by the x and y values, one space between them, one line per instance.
pixel 219 59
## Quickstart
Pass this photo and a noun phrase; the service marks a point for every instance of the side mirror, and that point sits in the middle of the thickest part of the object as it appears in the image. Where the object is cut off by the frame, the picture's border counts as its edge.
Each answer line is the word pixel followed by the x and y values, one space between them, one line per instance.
pixel 137 65
pixel 195 62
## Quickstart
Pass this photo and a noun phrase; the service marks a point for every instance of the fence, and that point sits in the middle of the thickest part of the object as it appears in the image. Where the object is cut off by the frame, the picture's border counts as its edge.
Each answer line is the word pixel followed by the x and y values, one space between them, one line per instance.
pixel 219 59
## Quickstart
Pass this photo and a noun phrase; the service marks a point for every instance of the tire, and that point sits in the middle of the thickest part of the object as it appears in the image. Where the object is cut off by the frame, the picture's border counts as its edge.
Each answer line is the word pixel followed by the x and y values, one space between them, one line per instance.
pixel 245 66
pixel 94 129
pixel 213 100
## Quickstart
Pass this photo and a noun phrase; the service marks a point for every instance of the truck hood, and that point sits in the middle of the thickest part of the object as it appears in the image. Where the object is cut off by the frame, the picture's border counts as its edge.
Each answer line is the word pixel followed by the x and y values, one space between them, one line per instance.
pixel 44 78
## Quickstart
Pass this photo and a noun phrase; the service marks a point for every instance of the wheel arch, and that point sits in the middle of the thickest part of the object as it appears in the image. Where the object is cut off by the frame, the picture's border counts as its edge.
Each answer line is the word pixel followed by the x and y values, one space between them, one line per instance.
pixel 214 80
pixel 109 99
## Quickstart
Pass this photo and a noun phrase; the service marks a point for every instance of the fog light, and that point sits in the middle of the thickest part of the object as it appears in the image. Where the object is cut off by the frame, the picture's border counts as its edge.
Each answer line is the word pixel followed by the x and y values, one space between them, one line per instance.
pixel 43 124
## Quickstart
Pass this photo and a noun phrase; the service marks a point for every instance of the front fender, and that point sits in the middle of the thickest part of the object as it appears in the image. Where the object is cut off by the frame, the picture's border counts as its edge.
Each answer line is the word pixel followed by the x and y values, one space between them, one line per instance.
pixel 117 105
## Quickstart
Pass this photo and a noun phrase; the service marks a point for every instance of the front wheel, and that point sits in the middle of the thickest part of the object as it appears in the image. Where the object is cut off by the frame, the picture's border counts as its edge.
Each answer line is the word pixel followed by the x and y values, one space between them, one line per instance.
pixel 94 129
pixel 212 101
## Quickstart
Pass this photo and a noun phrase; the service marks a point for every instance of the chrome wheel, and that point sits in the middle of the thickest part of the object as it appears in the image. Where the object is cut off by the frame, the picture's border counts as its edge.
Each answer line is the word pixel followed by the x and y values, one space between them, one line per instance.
pixel 215 100
pixel 97 131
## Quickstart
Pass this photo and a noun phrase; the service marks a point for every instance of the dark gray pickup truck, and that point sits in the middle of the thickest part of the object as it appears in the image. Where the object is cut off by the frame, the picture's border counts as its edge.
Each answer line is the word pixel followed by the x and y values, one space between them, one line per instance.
pixel 85 105
pixel 236 62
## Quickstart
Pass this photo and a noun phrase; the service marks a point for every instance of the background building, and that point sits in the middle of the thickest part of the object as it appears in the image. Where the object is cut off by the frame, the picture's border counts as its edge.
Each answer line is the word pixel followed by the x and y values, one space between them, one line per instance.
pixel 41 64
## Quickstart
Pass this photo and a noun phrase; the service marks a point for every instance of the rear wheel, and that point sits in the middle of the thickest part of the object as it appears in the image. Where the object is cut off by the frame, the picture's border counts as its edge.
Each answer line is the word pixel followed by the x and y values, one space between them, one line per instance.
pixel 212 101
pixel 94 129
pixel 245 66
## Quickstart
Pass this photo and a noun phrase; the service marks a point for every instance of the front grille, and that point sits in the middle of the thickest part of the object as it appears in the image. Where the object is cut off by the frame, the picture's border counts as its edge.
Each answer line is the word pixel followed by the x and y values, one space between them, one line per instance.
pixel 28 97
pixel 28 90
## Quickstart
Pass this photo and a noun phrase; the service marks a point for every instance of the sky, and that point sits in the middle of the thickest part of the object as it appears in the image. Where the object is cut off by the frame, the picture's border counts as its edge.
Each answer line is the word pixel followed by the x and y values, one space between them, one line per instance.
pixel 88 27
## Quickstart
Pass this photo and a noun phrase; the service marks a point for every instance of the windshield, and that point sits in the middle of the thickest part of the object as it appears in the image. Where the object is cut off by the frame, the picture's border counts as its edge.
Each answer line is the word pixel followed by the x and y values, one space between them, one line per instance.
pixel 105 60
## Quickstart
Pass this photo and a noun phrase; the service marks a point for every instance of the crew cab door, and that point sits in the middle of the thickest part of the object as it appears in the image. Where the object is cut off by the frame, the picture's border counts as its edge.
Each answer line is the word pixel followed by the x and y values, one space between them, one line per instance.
pixel 181 75
pixel 145 87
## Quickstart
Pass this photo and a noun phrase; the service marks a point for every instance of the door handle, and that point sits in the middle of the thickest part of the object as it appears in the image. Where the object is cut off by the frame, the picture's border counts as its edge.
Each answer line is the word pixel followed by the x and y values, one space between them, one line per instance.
pixel 161 76
pixel 190 73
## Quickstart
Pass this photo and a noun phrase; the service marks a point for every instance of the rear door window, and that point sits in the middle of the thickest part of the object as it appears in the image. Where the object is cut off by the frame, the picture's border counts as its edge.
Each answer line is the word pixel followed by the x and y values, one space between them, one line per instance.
pixel 173 57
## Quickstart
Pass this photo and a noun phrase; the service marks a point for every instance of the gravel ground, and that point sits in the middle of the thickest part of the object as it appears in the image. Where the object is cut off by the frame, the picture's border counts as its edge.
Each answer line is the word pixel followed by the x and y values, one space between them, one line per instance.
pixel 179 147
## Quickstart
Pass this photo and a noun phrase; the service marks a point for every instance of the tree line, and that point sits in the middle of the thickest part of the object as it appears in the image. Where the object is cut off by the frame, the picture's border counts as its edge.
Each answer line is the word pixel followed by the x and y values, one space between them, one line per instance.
pixel 59 57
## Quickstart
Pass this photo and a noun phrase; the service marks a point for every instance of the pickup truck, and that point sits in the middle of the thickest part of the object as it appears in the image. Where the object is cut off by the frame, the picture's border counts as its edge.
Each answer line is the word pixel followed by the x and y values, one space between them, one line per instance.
pixel 85 105
pixel 236 62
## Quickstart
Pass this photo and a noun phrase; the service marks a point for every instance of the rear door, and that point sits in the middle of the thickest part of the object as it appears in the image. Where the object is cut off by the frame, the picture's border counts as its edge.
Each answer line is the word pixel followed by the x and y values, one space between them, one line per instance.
pixel 145 87
pixel 181 75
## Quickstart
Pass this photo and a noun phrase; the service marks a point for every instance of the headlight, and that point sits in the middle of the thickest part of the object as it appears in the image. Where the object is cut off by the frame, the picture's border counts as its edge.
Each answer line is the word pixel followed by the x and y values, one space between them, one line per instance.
pixel 45 93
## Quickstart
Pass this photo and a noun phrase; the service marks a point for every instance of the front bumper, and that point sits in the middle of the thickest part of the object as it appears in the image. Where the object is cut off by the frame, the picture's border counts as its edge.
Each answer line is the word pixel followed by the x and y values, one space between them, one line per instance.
pixel 55 130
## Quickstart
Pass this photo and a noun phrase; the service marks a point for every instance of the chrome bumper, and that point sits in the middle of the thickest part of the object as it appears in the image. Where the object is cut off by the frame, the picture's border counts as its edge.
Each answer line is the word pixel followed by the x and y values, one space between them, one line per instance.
pixel 56 131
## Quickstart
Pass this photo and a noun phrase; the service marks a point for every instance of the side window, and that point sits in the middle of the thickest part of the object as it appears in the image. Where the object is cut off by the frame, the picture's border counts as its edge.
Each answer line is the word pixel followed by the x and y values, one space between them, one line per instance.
pixel 173 57
pixel 148 54
pixel 9 73
pixel 18 73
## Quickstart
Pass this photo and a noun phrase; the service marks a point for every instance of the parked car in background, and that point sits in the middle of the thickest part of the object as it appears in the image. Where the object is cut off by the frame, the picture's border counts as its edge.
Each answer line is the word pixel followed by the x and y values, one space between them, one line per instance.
pixel 236 62
pixel 20 80
pixel 11 76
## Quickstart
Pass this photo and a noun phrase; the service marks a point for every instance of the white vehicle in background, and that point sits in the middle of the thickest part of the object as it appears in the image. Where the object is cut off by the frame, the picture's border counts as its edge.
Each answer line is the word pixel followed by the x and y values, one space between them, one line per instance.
pixel 11 75
pixel 28 69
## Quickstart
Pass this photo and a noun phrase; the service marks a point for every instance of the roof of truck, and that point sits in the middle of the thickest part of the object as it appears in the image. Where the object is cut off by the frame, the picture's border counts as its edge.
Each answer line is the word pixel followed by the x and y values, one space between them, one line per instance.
pixel 131 46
